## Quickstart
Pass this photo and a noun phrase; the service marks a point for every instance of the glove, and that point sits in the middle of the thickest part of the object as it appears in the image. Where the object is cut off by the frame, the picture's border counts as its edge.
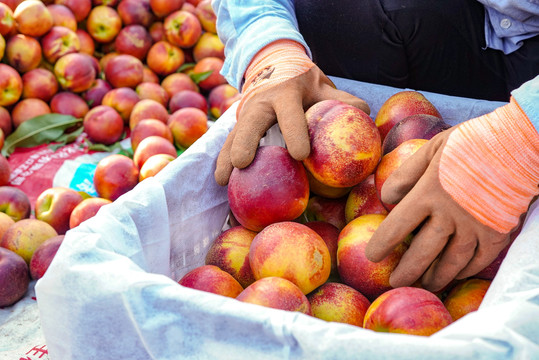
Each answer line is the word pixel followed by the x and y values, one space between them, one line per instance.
pixel 466 189
pixel 280 83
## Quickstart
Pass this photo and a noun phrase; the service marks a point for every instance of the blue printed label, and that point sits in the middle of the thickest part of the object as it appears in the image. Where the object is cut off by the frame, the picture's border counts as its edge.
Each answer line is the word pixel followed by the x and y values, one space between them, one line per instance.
pixel 83 179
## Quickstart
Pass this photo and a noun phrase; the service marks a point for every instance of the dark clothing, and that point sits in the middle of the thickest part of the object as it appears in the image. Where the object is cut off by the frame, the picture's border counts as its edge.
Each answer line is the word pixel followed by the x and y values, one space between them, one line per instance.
pixel 429 45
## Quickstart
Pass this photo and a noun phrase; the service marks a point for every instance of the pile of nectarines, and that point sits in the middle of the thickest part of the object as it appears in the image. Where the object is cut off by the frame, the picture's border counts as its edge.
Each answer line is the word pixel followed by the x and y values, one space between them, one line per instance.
pixel 147 70
pixel 298 230
pixel 113 64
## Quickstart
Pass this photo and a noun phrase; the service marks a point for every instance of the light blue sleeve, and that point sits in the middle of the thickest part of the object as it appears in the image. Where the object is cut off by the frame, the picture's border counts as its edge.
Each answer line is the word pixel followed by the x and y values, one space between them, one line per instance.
pixel 527 96
pixel 246 26
pixel 509 22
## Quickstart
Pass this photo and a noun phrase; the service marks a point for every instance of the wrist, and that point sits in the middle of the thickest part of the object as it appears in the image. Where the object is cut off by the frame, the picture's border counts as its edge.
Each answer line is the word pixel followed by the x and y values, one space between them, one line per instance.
pixel 272 65
pixel 288 55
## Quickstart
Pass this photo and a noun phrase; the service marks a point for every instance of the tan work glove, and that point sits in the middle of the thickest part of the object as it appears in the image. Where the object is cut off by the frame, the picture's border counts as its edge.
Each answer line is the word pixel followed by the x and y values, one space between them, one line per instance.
pixel 280 84
pixel 466 189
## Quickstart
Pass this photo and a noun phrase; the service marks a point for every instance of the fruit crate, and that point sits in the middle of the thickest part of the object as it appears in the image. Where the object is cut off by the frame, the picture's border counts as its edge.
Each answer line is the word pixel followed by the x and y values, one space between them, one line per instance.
pixel 112 292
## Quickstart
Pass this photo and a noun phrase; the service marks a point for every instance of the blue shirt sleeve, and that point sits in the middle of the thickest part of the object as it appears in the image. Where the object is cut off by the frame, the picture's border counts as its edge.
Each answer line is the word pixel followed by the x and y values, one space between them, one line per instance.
pixel 527 96
pixel 509 22
pixel 246 26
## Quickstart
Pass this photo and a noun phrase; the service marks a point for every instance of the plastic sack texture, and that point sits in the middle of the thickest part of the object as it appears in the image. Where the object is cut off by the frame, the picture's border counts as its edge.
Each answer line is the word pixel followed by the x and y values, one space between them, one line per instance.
pixel 111 291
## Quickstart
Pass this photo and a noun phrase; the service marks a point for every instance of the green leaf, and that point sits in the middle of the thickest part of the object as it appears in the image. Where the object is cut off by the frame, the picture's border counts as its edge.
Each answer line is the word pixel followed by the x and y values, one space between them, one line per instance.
pixel 107 148
pixel 115 148
pixel 186 66
pixel 66 138
pixel 198 77
pixel 39 130
pixel 127 152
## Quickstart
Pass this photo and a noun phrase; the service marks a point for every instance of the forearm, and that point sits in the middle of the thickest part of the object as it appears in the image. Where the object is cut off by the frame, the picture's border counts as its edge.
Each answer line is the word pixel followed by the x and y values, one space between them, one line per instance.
pixel 503 146
pixel 245 27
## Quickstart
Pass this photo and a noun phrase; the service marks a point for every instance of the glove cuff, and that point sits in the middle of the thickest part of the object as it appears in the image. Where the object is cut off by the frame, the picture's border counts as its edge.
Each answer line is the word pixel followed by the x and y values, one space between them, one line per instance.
pixel 490 166
pixel 277 62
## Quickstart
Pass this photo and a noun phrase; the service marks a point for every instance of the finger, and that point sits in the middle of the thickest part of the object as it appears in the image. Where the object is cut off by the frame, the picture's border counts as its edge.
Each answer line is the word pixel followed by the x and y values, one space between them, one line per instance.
pixel 426 245
pixel 398 224
pixel 404 178
pixel 223 166
pixel 255 119
pixel 457 254
pixel 485 253
pixel 335 94
pixel 293 125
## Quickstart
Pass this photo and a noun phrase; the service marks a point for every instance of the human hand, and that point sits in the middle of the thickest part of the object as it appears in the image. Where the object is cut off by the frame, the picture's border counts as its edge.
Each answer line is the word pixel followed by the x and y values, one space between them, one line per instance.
pixel 465 191
pixel 283 102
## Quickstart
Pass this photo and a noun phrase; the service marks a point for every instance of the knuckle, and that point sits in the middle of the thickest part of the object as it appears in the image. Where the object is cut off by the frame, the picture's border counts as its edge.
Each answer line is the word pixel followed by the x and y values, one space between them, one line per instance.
pixel 464 246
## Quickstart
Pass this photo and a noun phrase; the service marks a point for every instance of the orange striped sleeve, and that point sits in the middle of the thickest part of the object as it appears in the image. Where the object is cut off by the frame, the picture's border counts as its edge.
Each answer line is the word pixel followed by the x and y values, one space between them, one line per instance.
pixel 490 166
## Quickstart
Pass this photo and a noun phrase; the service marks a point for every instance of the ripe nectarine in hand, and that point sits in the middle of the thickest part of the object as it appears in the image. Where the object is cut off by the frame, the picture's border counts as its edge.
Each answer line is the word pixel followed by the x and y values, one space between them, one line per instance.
pixel 273 188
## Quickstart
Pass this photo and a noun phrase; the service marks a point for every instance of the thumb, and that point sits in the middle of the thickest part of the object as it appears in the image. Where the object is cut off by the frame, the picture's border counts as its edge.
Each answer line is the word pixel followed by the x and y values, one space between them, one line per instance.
pixel 418 155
